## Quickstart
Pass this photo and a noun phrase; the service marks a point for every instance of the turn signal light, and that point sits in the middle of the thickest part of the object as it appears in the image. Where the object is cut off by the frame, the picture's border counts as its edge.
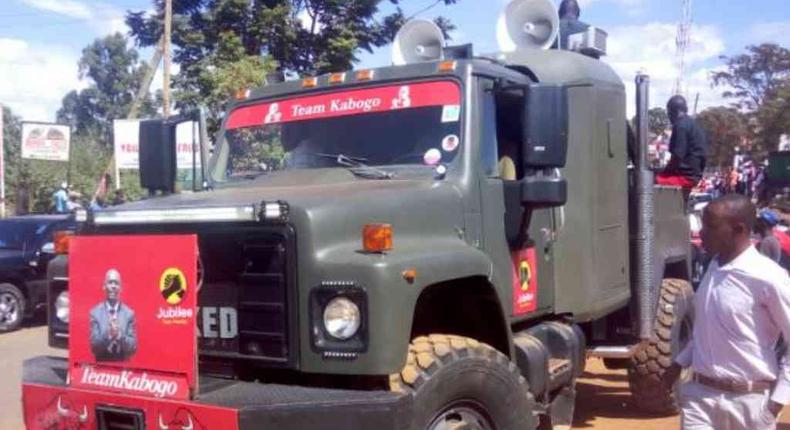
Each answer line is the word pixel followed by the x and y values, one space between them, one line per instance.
pixel 61 241
pixel 377 237
pixel 311 82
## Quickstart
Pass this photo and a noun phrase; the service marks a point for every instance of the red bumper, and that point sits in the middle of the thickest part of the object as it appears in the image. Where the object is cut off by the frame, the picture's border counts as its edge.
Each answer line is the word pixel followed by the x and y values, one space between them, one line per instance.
pixel 50 403
pixel 52 407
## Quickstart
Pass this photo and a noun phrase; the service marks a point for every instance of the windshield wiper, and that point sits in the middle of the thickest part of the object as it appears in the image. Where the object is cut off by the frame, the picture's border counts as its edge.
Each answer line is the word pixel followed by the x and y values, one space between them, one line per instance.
pixel 357 166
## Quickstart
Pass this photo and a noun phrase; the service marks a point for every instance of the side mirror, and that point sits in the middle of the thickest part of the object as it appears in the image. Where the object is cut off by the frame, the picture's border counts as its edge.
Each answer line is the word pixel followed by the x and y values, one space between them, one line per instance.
pixel 158 155
pixel 48 248
pixel 545 143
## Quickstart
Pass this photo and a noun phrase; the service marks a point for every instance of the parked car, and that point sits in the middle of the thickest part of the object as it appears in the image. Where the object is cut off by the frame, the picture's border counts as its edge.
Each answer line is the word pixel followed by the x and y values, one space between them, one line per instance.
pixel 26 246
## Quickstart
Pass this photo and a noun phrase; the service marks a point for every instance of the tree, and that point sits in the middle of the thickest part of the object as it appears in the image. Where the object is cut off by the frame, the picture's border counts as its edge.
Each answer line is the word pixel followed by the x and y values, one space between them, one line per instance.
pixel 725 128
pixel 116 73
pixel 757 82
pixel 302 37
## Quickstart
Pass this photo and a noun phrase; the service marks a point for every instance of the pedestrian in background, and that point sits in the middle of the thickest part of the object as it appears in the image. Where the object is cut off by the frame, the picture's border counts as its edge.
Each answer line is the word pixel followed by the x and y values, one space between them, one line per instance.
pixel 741 308
pixel 61 198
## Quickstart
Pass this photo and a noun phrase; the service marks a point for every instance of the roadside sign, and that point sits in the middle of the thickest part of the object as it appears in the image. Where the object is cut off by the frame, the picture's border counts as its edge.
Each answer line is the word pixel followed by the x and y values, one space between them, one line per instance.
pixel 45 141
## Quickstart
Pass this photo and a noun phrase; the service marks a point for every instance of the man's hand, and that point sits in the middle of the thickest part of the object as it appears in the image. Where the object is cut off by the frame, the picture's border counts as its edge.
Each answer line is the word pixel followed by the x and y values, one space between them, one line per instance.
pixel 671 376
pixel 114 330
pixel 774 408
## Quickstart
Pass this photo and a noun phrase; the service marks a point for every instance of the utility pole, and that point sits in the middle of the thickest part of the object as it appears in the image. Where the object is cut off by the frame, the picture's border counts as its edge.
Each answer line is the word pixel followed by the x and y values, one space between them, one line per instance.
pixel 166 49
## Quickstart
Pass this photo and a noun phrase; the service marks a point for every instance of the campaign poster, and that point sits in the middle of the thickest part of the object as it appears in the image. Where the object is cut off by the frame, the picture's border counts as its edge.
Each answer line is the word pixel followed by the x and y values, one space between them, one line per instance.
pixel 44 141
pixel 525 281
pixel 133 314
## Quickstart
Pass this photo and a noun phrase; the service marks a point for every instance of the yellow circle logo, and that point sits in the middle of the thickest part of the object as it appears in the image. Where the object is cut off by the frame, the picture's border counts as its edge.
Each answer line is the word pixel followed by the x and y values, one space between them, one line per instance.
pixel 173 285
pixel 524 275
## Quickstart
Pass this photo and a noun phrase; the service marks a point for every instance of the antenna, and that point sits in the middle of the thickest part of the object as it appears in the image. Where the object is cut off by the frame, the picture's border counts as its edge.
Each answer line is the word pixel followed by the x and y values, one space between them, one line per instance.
pixel 681 43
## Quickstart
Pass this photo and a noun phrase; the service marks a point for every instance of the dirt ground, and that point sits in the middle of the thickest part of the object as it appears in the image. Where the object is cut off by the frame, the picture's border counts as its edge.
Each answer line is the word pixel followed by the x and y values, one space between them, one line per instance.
pixel 603 402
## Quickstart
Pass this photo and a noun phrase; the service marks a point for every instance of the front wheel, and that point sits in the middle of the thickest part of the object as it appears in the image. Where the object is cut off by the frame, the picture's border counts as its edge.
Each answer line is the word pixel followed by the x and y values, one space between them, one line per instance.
pixel 671 332
pixel 460 383
pixel 12 307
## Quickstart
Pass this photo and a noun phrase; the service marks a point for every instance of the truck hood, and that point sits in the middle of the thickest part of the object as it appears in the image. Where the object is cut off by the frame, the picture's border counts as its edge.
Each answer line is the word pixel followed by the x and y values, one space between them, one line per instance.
pixel 332 202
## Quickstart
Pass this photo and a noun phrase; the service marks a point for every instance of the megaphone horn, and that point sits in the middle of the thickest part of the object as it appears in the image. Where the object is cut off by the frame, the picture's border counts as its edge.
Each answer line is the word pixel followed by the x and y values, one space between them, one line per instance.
pixel 528 24
pixel 418 40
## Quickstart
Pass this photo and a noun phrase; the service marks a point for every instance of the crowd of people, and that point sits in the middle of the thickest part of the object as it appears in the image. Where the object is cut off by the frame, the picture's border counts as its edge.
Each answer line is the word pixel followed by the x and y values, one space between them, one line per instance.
pixel 747 178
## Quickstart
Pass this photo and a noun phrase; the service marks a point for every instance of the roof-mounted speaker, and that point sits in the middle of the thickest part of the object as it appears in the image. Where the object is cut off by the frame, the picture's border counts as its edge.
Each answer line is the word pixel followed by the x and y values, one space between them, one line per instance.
pixel 527 24
pixel 418 40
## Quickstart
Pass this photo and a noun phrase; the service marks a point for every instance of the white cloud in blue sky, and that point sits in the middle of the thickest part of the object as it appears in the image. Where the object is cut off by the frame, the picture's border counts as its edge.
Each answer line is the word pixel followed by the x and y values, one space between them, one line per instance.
pixel 41 40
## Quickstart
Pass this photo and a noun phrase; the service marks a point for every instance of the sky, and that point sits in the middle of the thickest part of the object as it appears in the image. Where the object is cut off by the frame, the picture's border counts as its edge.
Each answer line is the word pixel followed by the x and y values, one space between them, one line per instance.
pixel 41 41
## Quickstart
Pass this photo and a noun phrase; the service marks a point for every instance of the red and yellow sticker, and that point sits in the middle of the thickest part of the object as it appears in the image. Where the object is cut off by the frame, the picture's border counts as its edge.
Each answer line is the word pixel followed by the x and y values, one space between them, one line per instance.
pixel 525 288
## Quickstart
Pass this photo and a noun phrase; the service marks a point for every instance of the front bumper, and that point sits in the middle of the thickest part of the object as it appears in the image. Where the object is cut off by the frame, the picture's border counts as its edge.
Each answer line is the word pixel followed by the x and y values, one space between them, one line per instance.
pixel 49 402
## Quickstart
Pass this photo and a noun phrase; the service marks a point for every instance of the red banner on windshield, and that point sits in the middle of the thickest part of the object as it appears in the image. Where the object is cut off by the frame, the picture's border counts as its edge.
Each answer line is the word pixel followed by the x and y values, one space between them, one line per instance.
pixel 379 99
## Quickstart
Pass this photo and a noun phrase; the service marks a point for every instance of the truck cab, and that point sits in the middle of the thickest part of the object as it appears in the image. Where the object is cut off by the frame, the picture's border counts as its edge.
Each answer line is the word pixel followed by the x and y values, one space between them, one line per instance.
pixel 377 239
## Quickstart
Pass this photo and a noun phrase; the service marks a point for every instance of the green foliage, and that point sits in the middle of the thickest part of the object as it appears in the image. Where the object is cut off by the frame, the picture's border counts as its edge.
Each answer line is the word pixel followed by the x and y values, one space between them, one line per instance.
pixel 216 40
pixel 725 128
pixel 758 83
pixel 116 73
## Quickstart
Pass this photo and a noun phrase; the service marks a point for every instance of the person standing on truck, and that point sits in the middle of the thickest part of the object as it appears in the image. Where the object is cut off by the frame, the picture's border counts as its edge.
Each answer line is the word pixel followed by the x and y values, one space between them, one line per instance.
pixel 741 308
pixel 687 146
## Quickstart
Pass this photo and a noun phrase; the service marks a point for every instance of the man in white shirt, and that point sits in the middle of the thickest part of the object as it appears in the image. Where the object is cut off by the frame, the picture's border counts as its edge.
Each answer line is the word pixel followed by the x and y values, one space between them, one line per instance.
pixel 741 309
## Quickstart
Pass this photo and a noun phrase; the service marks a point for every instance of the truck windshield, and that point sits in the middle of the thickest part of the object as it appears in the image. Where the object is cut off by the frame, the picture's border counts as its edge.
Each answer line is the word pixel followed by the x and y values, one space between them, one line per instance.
pixel 403 124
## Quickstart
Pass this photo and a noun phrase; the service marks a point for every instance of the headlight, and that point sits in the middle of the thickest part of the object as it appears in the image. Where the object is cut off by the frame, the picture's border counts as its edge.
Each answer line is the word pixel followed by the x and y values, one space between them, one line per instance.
pixel 62 306
pixel 341 318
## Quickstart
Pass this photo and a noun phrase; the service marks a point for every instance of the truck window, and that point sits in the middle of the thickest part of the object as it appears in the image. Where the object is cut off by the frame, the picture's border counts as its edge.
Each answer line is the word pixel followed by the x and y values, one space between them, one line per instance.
pixel 510 133
pixel 488 138
pixel 415 124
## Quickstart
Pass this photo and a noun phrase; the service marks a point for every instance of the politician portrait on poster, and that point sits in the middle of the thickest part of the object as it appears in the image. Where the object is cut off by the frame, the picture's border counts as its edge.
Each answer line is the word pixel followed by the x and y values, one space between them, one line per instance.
pixel 113 336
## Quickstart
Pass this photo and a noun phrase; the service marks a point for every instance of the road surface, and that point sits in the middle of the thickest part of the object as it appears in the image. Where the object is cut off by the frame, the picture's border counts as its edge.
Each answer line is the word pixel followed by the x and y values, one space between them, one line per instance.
pixel 603 402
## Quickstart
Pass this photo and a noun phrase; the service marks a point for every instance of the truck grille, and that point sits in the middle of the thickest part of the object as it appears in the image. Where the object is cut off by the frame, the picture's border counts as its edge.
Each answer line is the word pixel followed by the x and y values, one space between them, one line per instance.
pixel 247 277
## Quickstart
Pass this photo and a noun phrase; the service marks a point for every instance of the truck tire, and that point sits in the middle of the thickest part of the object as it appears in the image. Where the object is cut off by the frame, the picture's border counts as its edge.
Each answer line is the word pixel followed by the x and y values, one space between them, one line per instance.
pixel 12 307
pixel 457 382
pixel 671 332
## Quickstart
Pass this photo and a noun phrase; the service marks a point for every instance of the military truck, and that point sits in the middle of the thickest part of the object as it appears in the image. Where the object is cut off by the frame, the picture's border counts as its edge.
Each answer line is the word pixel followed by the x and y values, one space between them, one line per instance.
pixel 437 244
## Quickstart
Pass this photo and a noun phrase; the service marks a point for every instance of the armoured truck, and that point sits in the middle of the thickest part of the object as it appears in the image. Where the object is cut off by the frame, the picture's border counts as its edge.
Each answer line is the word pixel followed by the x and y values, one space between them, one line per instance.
pixel 437 244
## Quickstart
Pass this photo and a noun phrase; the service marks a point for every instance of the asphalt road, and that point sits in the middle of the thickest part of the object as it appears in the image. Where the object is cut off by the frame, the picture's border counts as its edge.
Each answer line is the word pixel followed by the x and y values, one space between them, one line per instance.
pixel 603 403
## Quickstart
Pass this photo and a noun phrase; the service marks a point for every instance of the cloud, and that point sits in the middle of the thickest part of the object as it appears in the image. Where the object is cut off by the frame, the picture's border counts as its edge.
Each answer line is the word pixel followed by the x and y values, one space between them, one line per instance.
pixel 102 18
pixel 774 32
pixel 35 78
pixel 651 49
pixel 70 8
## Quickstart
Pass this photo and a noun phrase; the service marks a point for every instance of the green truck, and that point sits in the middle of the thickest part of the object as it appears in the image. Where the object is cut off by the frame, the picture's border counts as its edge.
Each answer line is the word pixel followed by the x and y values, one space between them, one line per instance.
pixel 439 244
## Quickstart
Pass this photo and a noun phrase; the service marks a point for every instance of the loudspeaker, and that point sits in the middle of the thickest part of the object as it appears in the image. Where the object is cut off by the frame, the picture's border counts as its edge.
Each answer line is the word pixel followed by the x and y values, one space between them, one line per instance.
pixel 418 40
pixel 158 155
pixel 527 24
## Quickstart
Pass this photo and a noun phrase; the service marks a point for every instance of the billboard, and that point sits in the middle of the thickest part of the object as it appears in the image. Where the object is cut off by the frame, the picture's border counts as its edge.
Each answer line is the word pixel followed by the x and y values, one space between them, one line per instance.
pixel 127 144
pixel 44 141
pixel 133 314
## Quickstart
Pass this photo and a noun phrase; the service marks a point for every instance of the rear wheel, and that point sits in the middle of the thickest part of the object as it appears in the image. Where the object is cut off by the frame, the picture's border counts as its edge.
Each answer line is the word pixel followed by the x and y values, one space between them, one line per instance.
pixel 460 383
pixel 12 307
pixel 671 332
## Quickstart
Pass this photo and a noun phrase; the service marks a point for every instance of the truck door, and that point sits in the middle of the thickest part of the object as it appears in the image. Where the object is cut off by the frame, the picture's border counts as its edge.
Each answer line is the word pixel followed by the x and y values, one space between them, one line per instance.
pixel 497 174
